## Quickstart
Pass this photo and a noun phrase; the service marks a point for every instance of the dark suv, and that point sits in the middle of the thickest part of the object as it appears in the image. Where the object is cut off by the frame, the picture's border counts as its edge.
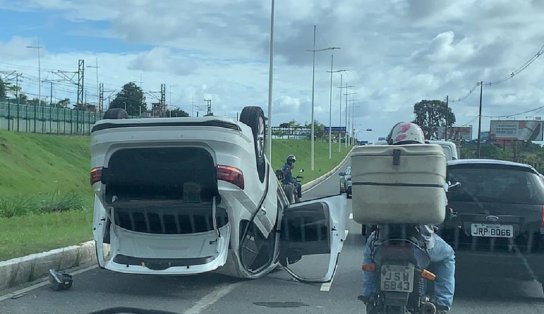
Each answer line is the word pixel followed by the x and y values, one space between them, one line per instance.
pixel 497 209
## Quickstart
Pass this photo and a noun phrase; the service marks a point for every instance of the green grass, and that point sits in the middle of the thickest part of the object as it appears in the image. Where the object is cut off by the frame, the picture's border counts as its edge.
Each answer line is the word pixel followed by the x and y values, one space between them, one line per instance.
pixel 36 165
pixel 29 234
pixel 43 178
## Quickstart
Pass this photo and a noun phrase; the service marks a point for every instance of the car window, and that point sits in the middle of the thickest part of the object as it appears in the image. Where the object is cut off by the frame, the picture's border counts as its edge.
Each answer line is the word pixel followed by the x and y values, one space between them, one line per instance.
pixel 447 151
pixel 500 185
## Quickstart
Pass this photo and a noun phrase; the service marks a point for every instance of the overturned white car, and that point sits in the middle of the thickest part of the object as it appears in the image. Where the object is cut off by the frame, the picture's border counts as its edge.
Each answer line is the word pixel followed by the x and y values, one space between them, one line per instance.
pixel 191 195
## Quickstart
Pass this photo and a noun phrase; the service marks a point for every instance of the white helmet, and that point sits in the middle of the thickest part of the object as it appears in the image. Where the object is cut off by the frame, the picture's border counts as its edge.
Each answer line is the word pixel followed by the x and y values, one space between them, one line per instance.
pixel 406 133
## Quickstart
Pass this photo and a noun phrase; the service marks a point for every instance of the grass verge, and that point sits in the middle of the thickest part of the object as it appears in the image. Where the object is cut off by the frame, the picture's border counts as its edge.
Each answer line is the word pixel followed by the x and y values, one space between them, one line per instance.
pixel 29 234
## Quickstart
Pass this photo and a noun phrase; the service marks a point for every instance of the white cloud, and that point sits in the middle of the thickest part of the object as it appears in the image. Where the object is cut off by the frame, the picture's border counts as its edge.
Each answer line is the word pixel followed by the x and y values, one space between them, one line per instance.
pixel 397 53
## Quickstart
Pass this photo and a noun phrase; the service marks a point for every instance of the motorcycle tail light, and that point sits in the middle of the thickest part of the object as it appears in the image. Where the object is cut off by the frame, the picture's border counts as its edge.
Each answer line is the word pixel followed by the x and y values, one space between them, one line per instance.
pixel 96 175
pixel 231 174
pixel 428 275
pixel 369 267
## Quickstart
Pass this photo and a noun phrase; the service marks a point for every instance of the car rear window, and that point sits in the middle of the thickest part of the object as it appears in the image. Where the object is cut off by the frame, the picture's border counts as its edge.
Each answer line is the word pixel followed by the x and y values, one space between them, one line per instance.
pixel 500 185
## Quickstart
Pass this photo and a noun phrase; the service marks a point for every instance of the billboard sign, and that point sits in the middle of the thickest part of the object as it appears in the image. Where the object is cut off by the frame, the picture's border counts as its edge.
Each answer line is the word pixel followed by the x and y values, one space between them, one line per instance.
pixel 457 133
pixel 521 130
pixel 336 129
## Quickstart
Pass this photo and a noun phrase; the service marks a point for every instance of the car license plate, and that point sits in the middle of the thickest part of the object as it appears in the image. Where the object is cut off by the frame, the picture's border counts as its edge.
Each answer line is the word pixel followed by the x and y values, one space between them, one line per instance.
pixel 492 230
pixel 397 278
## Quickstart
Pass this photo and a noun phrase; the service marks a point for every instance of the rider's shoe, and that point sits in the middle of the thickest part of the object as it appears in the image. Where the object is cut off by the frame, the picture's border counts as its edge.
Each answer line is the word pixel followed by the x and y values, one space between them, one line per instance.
pixel 442 309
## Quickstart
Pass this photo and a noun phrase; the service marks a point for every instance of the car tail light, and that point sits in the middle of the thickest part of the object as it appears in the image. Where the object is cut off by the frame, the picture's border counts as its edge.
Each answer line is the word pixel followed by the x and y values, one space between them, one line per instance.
pixel 96 175
pixel 231 174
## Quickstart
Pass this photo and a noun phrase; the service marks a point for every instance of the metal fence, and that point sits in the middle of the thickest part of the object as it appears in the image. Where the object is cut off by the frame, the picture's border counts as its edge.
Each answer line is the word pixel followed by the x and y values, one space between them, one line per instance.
pixel 46 120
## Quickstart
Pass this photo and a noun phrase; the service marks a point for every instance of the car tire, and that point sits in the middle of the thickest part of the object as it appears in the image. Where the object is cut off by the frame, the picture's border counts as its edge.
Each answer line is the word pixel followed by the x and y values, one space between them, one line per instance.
pixel 253 117
pixel 116 113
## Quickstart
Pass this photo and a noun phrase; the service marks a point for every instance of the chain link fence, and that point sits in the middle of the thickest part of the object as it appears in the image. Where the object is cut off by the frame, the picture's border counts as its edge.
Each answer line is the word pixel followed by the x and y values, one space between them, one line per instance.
pixel 46 120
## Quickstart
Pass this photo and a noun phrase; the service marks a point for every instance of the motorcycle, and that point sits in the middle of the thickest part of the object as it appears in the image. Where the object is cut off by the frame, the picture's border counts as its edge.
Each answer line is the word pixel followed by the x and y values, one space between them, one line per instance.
pixel 292 191
pixel 400 264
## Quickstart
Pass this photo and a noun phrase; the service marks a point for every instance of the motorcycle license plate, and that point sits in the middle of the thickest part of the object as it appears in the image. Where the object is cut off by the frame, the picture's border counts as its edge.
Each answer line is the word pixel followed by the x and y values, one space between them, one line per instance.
pixel 492 230
pixel 397 278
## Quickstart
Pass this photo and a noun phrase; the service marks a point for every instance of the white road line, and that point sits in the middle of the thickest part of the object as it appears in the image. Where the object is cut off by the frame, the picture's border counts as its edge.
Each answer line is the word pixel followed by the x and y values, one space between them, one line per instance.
pixel 325 287
pixel 346 236
pixel 16 293
pixel 351 216
pixel 212 298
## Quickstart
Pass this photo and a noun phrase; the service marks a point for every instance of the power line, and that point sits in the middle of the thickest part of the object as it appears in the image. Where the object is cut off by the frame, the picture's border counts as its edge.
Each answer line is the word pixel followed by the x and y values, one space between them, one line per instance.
pixel 515 114
pixel 514 73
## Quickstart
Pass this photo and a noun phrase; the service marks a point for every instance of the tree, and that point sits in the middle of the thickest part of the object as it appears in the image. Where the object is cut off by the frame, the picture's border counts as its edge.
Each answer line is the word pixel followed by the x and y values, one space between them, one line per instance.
pixel 2 90
pixel 63 103
pixel 431 115
pixel 131 98
pixel 176 113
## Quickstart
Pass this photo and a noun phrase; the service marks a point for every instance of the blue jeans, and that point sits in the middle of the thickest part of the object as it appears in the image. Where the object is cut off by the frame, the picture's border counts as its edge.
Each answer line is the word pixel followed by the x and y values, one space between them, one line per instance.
pixel 443 259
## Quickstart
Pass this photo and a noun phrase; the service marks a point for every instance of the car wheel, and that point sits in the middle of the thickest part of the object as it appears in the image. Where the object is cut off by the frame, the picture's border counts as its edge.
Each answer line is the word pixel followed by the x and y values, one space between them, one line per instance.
pixel 116 113
pixel 253 117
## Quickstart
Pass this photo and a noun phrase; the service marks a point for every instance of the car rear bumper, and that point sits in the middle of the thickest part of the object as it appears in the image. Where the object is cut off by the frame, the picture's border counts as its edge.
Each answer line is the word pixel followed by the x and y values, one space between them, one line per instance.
pixel 140 253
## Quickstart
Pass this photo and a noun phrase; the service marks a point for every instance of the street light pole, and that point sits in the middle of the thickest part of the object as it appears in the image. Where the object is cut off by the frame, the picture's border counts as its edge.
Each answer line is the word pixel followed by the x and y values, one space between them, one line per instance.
pixel 270 77
pixel 312 162
pixel 480 118
pixel 313 89
pixel 330 108
pixel 38 47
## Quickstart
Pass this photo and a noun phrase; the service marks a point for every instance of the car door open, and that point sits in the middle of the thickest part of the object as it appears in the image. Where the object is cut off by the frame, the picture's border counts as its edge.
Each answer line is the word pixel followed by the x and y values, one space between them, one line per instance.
pixel 312 236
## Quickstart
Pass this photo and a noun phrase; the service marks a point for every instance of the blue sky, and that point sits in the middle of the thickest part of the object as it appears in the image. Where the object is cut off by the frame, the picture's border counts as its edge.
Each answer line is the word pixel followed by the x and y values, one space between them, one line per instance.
pixel 398 52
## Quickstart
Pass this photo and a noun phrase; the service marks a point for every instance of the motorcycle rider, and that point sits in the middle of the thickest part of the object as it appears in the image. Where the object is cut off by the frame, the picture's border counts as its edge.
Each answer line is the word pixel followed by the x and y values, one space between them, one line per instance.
pixel 441 254
pixel 288 182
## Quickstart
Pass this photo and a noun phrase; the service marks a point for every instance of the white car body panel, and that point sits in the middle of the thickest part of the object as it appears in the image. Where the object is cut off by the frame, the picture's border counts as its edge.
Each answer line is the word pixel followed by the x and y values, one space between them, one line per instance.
pixel 217 248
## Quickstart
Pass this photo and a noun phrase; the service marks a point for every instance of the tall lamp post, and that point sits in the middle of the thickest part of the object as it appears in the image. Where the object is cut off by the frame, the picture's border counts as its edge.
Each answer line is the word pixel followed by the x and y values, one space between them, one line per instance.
pixel 313 97
pixel 38 47
pixel 330 108
pixel 270 77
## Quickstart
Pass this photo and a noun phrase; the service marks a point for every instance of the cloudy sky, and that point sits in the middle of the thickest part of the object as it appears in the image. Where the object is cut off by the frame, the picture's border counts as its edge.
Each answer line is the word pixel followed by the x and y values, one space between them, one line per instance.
pixel 398 52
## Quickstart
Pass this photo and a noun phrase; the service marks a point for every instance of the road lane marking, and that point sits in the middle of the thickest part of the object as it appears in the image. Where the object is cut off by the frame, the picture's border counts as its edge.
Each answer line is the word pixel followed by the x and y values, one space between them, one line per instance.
pixel 351 216
pixel 45 282
pixel 212 298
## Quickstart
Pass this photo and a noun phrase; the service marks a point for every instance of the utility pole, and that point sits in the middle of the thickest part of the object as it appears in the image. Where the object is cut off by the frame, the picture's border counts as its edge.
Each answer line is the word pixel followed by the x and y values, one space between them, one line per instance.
pixel 209 105
pixel 101 97
pixel 97 84
pixel 17 96
pixel 447 114
pixel 163 100
pixel 270 78
pixel 38 47
pixel 80 82
pixel 480 118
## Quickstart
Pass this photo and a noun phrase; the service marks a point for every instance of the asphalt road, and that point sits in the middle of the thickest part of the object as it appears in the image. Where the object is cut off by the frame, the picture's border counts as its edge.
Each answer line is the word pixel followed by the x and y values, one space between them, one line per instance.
pixel 481 288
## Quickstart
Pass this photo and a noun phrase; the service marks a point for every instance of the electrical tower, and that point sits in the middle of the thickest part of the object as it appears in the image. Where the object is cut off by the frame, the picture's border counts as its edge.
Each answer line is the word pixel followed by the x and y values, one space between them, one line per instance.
pixel 101 97
pixel 209 104
pixel 163 101
pixel 80 82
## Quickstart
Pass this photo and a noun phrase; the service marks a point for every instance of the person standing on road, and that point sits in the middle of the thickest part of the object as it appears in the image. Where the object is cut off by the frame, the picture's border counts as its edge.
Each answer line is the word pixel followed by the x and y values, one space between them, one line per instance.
pixel 441 254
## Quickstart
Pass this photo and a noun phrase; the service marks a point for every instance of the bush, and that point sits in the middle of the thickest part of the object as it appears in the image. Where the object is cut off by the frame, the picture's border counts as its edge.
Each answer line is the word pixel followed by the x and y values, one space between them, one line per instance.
pixel 57 202
pixel 16 207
